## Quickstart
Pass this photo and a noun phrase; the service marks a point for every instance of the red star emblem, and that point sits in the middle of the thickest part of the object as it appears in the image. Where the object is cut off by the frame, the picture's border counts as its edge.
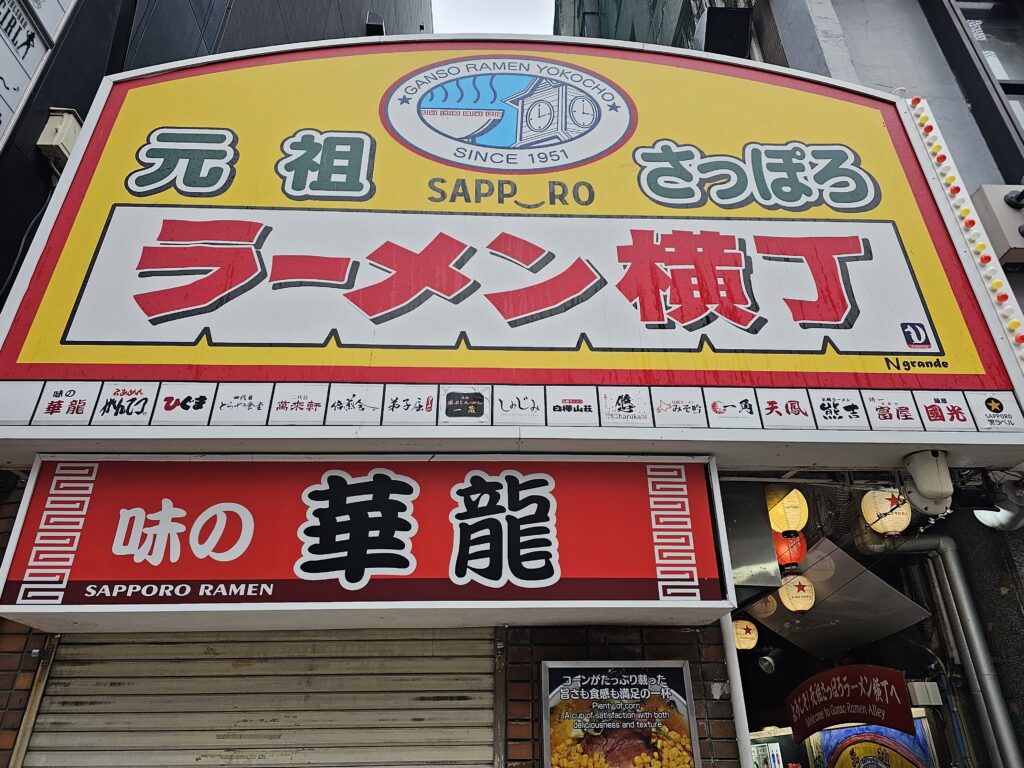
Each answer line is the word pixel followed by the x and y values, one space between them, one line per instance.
pixel 894 501
pixel 800 586
pixel 748 630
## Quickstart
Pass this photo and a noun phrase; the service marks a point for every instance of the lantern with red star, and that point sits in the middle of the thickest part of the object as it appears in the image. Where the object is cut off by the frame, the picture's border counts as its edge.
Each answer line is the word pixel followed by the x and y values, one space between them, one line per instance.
pixel 797 594
pixel 886 512
pixel 745 633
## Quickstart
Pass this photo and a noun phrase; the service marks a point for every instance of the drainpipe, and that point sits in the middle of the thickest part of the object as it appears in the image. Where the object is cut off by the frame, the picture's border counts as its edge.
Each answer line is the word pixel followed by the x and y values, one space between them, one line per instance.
pixel 739 705
pixel 995 720
pixel 944 593
pixel 945 627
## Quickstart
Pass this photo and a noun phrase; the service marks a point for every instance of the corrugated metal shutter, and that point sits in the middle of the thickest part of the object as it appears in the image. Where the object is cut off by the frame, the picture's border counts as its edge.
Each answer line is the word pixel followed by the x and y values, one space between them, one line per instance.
pixel 334 698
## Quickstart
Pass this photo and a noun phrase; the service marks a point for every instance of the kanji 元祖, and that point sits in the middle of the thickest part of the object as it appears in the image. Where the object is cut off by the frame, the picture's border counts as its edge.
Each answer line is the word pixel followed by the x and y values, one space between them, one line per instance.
pixel 327 165
pixel 198 162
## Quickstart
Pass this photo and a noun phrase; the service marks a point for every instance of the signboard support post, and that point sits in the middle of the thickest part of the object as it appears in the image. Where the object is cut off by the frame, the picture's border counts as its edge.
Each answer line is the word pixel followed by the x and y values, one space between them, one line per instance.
pixel 739 704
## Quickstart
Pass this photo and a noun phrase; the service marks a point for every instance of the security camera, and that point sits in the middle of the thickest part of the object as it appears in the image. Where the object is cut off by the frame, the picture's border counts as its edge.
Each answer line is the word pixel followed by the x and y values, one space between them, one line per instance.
pixel 770 660
pixel 931 489
pixel 920 502
pixel 1015 198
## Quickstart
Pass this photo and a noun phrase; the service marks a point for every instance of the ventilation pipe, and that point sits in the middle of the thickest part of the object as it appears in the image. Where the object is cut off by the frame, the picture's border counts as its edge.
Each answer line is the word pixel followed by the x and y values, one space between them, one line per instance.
pixel 1009 515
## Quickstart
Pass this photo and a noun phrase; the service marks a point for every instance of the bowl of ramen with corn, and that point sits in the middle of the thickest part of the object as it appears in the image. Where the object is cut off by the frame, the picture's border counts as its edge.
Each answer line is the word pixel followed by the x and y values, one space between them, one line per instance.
pixel 653 732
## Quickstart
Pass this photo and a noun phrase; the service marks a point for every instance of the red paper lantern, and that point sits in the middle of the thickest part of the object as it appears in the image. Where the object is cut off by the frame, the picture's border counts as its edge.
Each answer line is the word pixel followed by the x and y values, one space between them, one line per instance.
pixel 789 551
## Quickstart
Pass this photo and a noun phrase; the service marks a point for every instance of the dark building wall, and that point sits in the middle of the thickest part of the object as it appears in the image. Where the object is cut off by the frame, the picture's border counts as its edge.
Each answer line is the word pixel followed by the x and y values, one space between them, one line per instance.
pixel 795 27
pixel 256 23
pixel 168 30
pixel 878 43
pixel 92 45
pixel 661 22
pixel 992 563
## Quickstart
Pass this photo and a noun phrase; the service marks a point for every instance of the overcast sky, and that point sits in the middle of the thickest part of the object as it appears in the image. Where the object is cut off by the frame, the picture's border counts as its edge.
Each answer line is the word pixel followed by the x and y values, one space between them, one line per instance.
pixel 532 17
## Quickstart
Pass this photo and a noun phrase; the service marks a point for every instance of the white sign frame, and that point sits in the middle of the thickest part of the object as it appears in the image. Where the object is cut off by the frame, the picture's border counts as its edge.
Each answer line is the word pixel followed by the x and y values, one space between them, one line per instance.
pixel 272 616
pixel 765 448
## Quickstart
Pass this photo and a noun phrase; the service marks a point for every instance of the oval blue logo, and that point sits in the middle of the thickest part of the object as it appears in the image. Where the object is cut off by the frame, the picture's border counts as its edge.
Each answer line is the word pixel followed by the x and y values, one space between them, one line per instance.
pixel 503 113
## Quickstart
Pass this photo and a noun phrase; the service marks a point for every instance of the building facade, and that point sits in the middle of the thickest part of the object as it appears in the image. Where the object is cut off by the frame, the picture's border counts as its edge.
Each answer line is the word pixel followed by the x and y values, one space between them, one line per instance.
pixel 962 57
pixel 482 402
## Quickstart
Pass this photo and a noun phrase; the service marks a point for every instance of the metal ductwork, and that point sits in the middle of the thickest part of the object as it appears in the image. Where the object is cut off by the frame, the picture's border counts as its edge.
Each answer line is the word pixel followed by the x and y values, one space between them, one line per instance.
pixel 969 636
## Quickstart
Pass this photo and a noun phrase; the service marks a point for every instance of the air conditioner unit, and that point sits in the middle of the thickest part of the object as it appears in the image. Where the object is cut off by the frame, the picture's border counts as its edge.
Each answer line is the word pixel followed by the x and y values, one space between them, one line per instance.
pixel 58 137
pixel 1002 222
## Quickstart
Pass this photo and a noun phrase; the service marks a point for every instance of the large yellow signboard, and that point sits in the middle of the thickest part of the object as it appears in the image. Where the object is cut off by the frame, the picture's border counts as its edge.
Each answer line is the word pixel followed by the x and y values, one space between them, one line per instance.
pixel 529 213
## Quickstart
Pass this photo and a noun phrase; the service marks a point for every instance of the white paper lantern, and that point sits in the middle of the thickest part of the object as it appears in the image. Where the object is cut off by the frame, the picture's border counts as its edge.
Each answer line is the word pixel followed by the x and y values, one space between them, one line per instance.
pixel 745 633
pixel 787 508
pixel 797 594
pixel 886 512
pixel 764 607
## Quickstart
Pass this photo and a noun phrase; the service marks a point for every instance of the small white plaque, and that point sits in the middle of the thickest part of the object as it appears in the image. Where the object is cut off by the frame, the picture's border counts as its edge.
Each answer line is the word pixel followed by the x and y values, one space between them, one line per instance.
pixel 67 402
pixel 518 405
pixel 413 404
pixel 18 400
pixel 996 411
pixel 125 402
pixel 572 406
pixel 891 409
pixel 188 403
pixel 679 407
pixel 625 407
pixel 732 407
pixel 242 404
pixel 298 404
pixel 839 409
pixel 785 409
pixel 465 405
pixel 355 404
pixel 944 411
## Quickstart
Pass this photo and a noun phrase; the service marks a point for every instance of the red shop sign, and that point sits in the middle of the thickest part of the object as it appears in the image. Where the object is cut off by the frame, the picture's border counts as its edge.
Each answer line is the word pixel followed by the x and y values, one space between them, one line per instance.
pixel 854 694
pixel 214 542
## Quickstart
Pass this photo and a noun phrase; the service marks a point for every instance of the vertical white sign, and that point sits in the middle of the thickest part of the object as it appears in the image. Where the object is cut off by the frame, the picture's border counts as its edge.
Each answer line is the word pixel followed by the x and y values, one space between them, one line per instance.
pixel 23 49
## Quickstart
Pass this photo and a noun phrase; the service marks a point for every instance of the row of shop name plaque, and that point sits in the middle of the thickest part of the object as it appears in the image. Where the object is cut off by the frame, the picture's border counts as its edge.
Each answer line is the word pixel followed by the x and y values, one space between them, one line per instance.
pixel 266 404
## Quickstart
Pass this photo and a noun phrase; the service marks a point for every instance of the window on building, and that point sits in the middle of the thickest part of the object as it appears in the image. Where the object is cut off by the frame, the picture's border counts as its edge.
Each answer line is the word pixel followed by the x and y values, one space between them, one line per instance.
pixel 997 31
